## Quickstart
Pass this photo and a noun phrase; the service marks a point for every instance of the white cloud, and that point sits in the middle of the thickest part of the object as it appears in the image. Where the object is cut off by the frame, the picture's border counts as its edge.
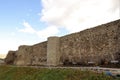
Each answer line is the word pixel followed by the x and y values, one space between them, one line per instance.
pixel 47 32
pixel 73 15
pixel 76 15
pixel 28 28
pixel 12 34
pixel 43 34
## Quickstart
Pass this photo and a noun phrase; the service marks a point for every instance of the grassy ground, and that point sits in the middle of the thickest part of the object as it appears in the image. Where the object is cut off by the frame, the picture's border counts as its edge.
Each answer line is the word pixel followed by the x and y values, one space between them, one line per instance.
pixel 26 73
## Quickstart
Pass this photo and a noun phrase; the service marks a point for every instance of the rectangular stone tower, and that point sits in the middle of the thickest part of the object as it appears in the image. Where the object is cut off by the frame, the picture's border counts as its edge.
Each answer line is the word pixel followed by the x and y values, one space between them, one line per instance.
pixel 53 54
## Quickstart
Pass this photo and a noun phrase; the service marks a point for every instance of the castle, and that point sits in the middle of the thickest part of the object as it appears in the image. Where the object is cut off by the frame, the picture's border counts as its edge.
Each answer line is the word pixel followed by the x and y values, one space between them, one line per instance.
pixel 96 45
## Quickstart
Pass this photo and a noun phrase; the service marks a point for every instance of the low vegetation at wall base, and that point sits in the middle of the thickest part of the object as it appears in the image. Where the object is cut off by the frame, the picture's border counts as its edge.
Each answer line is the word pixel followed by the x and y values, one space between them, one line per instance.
pixel 27 73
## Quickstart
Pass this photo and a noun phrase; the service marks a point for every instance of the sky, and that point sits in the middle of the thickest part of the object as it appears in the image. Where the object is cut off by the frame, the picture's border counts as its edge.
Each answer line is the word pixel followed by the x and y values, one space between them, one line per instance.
pixel 27 22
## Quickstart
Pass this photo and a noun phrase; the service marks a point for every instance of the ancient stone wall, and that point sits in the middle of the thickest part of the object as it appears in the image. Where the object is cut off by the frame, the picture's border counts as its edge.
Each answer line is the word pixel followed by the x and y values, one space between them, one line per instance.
pixel 32 55
pixel 24 55
pixel 10 58
pixel 118 43
pixel 93 45
pixel 97 45
pixel 39 54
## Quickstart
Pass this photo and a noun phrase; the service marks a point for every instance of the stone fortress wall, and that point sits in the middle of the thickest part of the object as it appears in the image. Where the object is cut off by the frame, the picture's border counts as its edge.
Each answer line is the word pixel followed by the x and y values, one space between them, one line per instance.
pixel 96 45
pixel 32 55
pixel 92 45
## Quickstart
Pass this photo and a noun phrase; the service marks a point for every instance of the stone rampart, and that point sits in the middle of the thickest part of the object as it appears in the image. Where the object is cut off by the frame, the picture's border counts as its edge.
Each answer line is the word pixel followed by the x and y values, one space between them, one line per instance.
pixel 23 55
pixel 98 45
pixel 94 45
pixel 39 54
pixel 32 55
pixel 10 58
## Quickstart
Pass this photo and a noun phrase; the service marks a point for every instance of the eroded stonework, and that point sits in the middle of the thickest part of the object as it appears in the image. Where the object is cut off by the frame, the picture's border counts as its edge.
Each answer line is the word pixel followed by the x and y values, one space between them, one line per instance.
pixel 32 55
pixel 93 45
pixel 97 45
pixel 11 57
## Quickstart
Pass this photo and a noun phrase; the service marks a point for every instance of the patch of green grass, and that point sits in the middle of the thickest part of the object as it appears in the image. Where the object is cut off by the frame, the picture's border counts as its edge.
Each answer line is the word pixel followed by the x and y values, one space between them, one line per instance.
pixel 27 73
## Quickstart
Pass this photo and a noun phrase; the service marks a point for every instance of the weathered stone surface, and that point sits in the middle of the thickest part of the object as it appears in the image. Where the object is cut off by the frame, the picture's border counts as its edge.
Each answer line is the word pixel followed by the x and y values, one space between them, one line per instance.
pixel 32 55
pixel 53 53
pixel 98 45
pixel 39 54
pixel 10 58
pixel 24 55
pixel 93 45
